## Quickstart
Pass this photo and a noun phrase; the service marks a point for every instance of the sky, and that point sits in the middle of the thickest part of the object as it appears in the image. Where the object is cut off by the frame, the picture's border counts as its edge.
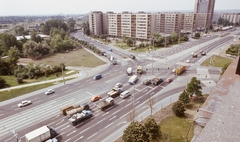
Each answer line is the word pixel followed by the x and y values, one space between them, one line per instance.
pixel 46 7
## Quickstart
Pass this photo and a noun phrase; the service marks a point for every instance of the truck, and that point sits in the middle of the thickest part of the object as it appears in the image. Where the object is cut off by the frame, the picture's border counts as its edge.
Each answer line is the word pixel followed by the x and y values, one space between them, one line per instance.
pixel 156 81
pixel 65 108
pixel 194 55
pixel 41 134
pixel 80 117
pixel 115 92
pixel 139 69
pixel 76 109
pixel 180 69
pixel 103 104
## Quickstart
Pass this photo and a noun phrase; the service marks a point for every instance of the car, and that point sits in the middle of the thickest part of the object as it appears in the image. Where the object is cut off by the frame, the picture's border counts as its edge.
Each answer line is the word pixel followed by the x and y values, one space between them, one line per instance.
pixel 97 76
pixel 110 49
pixel 118 85
pixel 156 81
pixel 147 81
pixel 132 56
pixel 24 103
pixel 50 91
pixel 95 98
pixel 114 62
pixel 187 61
pixel 168 80
pixel 203 53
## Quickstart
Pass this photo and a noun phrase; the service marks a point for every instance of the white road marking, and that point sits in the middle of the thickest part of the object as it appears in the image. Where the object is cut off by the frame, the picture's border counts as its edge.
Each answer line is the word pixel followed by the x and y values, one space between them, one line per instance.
pixel 122 123
pixel 60 121
pixel 152 93
pixel 136 102
pixel 71 133
pixel 68 140
pixel 68 90
pixel 91 136
pixel 17 108
pixel 121 102
pixel 139 98
pixel 90 93
pixel 112 118
pixel 96 114
pixel 116 111
pixel 105 113
pixel 127 105
pixel 52 96
pixel 109 125
pixel 77 140
pixel 65 127
pixel 38 101
pixel 35 98
pixel 1 114
pixel 84 130
pixel 100 121
pixel 55 117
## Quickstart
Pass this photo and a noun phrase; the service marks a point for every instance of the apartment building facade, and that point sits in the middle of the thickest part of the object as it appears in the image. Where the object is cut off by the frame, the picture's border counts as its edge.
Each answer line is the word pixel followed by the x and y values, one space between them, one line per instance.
pixel 231 17
pixel 141 25
pixel 205 6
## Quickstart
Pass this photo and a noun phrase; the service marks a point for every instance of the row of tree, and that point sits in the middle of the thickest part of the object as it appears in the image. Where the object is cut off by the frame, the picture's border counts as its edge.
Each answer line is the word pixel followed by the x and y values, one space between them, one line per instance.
pixel 193 88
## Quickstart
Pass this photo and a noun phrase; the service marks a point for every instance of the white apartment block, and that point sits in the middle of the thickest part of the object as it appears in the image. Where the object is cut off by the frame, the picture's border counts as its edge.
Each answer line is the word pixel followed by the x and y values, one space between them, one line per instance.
pixel 113 24
pixel 188 22
pixel 231 17
pixel 143 28
pixel 172 23
pixel 126 24
pixel 201 21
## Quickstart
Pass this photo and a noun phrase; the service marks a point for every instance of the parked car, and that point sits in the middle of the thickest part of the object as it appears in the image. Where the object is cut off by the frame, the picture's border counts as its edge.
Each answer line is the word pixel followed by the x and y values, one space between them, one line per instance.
pixel 24 103
pixel 50 91
pixel 147 81
pixel 95 98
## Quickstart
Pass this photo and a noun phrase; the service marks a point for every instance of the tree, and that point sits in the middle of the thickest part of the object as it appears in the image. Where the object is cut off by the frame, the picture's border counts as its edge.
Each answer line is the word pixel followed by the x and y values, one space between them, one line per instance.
pixel 150 104
pixel 2 83
pixel 4 67
pixel 35 50
pixel 85 26
pixel 174 37
pixel 129 41
pixel 135 132
pixel 178 108
pixel 35 37
pixel 194 87
pixel 46 28
pixel 7 41
pixel 225 67
pixel 197 35
pixel 19 31
pixel 152 129
pixel 184 97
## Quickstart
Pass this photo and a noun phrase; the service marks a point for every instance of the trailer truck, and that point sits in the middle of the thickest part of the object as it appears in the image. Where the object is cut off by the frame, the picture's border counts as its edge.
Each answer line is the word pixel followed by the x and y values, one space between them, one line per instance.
pixel 103 104
pixel 76 109
pixel 80 117
pixel 41 134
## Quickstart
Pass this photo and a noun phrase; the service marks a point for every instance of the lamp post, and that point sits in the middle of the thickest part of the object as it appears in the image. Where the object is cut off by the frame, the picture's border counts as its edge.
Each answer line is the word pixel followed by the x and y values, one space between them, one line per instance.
pixel 63 74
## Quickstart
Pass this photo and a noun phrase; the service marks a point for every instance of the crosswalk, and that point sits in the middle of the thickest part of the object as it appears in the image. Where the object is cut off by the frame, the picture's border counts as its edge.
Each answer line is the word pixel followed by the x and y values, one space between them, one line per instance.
pixel 185 64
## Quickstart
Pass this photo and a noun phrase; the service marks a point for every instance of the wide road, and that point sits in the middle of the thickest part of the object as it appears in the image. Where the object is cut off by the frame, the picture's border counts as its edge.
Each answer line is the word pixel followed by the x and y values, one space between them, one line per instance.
pixel 45 109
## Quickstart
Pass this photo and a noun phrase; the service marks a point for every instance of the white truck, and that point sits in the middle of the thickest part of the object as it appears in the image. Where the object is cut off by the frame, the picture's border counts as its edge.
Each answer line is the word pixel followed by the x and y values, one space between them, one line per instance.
pixel 103 104
pixel 44 133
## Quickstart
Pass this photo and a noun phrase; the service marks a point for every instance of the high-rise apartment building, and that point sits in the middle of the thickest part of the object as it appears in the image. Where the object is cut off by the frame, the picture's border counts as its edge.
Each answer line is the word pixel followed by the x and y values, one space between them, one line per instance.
pixel 205 6
pixel 143 25
pixel 97 23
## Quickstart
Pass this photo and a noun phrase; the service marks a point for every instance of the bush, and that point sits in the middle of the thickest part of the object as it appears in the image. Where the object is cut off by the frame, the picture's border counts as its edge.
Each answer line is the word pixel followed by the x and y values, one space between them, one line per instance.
pixel 178 108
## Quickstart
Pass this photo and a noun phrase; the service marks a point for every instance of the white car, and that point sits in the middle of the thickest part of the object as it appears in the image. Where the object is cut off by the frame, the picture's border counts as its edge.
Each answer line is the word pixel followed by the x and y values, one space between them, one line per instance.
pixel 50 91
pixel 24 103
pixel 118 85
pixel 187 60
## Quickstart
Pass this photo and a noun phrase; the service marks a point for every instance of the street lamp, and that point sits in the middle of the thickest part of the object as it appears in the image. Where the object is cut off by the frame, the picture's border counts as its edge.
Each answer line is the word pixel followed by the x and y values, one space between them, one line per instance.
pixel 63 74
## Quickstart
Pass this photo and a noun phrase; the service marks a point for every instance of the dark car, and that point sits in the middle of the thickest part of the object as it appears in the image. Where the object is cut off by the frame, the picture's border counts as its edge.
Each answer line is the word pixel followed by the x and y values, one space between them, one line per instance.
pixel 203 53
pixel 98 76
pixel 157 81
pixel 132 56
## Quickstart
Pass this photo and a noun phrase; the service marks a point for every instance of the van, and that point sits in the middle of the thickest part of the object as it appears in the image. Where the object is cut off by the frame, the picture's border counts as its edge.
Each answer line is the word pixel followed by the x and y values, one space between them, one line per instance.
pixel 133 79
pixel 139 69
pixel 97 76
pixel 124 94
pixel 129 71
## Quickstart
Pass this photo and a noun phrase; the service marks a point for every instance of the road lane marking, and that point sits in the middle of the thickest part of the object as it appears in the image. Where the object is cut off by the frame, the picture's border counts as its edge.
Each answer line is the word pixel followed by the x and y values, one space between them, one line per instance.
pixel 112 118
pixel 77 140
pixel 52 96
pixel 17 108
pixel 65 127
pixel 71 133
pixel 116 111
pixel 68 140
pixel 60 121
pixel 35 98
pixel 84 130
pixel 68 90
pixel 96 114
pixel 108 125
pixel 152 93
pixel 90 93
pixel 105 113
pixel 127 105
pixel 139 98
pixel 91 136
pixel 38 101
pixel 137 102
pixel 121 102
pixel 100 121
pixel 122 123
pixel 55 117
pixel 64 88
pixel 1 114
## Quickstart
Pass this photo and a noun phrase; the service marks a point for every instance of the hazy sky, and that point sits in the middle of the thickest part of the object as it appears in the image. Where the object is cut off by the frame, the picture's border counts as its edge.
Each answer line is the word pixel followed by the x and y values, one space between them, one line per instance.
pixel 43 7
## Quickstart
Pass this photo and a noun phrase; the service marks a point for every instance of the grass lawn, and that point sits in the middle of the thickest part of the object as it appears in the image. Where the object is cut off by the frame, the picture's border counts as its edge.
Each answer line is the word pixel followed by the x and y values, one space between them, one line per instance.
pixel 79 57
pixel 219 61
pixel 176 128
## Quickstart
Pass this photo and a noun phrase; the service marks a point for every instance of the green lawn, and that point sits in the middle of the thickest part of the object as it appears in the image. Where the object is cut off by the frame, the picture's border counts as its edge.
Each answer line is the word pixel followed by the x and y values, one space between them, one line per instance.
pixel 218 62
pixel 176 128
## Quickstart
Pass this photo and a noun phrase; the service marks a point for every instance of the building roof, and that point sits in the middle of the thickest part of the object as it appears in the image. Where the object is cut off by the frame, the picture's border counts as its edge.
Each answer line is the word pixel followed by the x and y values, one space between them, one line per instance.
pixel 218 119
pixel 28 36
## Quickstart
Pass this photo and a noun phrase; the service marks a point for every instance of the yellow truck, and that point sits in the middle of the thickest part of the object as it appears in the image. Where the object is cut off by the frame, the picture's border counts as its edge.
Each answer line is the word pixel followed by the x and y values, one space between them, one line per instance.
pixel 139 69
pixel 180 69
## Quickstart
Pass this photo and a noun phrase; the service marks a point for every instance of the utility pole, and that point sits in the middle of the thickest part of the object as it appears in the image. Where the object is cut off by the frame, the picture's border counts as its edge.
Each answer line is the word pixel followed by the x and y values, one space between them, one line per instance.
pixel 63 75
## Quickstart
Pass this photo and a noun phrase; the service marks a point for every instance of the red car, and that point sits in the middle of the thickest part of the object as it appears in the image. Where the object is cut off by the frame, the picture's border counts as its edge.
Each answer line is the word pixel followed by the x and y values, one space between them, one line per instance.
pixel 95 98
pixel 169 80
